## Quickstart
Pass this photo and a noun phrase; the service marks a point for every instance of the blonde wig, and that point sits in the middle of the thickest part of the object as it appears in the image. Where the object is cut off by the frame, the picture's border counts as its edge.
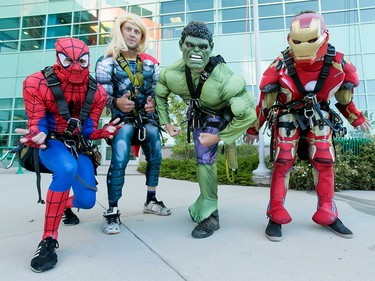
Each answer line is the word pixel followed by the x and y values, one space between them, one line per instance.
pixel 117 42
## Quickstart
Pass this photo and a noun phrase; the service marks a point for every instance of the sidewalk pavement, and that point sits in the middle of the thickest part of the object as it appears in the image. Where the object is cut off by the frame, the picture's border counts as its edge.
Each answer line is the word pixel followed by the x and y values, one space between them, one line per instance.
pixel 151 247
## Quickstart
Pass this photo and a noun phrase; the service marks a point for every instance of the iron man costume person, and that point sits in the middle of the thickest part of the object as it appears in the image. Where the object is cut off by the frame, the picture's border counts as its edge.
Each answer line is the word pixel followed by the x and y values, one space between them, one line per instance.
pixel 295 101
pixel 47 130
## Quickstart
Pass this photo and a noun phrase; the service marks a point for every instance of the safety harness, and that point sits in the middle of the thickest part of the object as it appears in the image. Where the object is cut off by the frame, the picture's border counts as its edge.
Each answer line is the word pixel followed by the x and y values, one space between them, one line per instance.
pixel 195 113
pixel 309 103
pixel 139 116
pixel 84 146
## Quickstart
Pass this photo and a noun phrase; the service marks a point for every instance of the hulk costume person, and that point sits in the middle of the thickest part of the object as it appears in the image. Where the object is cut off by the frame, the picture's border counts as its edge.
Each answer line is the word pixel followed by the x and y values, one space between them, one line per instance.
pixel 222 88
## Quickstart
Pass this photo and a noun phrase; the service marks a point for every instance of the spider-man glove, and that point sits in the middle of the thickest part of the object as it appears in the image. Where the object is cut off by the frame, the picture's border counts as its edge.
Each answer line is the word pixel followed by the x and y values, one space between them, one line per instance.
pixel 108 131
pixel 32 138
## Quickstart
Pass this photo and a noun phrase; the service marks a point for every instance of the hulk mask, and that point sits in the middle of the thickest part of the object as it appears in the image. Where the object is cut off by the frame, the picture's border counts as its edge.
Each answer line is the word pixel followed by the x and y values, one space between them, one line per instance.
pixel 196 52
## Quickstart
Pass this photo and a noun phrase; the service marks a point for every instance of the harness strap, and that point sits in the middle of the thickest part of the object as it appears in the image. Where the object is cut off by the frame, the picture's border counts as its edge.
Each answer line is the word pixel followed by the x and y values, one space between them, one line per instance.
pixel 195 110
pixel 54 84
pixel 136 80
pixel 328 58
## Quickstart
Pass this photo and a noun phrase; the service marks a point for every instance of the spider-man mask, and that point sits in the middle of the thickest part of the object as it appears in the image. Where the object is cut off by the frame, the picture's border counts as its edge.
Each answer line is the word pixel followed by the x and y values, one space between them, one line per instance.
pixel 72 60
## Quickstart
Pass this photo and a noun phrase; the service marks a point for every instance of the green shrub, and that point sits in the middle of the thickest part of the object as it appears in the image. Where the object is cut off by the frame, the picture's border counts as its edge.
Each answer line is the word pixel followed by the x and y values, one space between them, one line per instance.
pixel 352 172
pixel 178 167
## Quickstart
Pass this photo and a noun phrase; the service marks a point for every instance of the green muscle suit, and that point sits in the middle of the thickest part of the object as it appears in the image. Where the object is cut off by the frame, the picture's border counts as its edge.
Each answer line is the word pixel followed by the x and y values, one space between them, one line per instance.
pixel 221 88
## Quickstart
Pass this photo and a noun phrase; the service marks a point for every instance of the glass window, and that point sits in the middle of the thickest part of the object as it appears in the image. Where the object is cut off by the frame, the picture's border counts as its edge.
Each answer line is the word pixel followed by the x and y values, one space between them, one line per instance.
pixel 192 5
pixel 367 15
pixel 271 10
pixel 31 45
pixel 141 11
pixel 371 86
pixel 32 33
pixel 267 1
pixel 234 14
pixel 371 102
pixel 366 3
pixel 4 127
pixel 367 45
pixel 111 14
pixel 84 16
pixel 172 6
pixel 297 7
pixel 360 101
pixel 50 43
pixel 85 28
pixel 90 40
pixel 9 35
pixel 341 18
pixel 8 47
pixel 201 16
pixel 9 23
pixel 63 18
pixel 172 32
pixel 271 24
pixel 105 26
pixel 360 89
pixel 6 103
pixel 58 31
pixel 20 114
pixel 104 39
pixel 329 5
pixel 20 124
pixel 19 103
pixel 170 20
pixel 234 26
pixel 34 21
pixel 136 10
pixel 243 44
pixel 234 3
pixel 369 60
pixel 5 115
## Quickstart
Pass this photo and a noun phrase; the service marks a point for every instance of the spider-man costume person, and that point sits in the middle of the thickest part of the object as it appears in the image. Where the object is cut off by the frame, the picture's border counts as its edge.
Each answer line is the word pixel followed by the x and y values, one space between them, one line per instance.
pixel 297 108
pixel 46 130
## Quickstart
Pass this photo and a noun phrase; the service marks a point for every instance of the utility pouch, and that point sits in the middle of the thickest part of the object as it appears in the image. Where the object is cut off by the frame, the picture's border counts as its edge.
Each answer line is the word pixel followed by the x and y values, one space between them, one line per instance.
pixel 28 158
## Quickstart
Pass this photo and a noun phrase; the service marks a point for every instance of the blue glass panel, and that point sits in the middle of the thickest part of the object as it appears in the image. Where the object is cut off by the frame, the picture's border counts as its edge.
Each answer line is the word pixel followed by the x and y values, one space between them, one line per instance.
pixel 271 24
pixel 341 18
pixel 297 7
pixel 62 18
pixel 34 21
pixel 201 16
pixel 367 15
pixel 172 7
pixel 233 27
pixel 233 3
pixel 366 3
pixel 330 5
pixel 9 23
pixel 234 14
pixel 58 31
pixel 9 35
pixel 271 10
pixel 84 16
pixel 192 5
pixel 267 1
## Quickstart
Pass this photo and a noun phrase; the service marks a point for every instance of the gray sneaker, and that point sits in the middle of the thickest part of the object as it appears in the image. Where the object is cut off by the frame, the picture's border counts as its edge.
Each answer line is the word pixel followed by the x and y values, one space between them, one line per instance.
pixel 273 231
pixel 156 208
pixel 340 229
pixel 207 227
pixel 111 221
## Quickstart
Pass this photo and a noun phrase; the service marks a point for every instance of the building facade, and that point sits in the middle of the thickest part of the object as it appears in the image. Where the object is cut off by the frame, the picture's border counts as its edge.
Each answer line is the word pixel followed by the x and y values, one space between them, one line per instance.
pixel 29 29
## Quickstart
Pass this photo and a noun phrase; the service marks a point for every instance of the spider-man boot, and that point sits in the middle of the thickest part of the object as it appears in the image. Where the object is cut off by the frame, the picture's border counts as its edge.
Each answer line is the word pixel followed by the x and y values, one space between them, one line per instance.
pixel 45 256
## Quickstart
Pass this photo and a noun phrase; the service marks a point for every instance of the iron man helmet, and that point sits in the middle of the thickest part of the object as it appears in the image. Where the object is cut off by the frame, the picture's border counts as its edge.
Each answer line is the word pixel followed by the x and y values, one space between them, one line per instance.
pixel 308 37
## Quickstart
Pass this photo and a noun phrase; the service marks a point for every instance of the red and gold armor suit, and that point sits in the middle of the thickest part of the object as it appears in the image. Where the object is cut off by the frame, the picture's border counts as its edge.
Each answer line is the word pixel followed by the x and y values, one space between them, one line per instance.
pixel 294 115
